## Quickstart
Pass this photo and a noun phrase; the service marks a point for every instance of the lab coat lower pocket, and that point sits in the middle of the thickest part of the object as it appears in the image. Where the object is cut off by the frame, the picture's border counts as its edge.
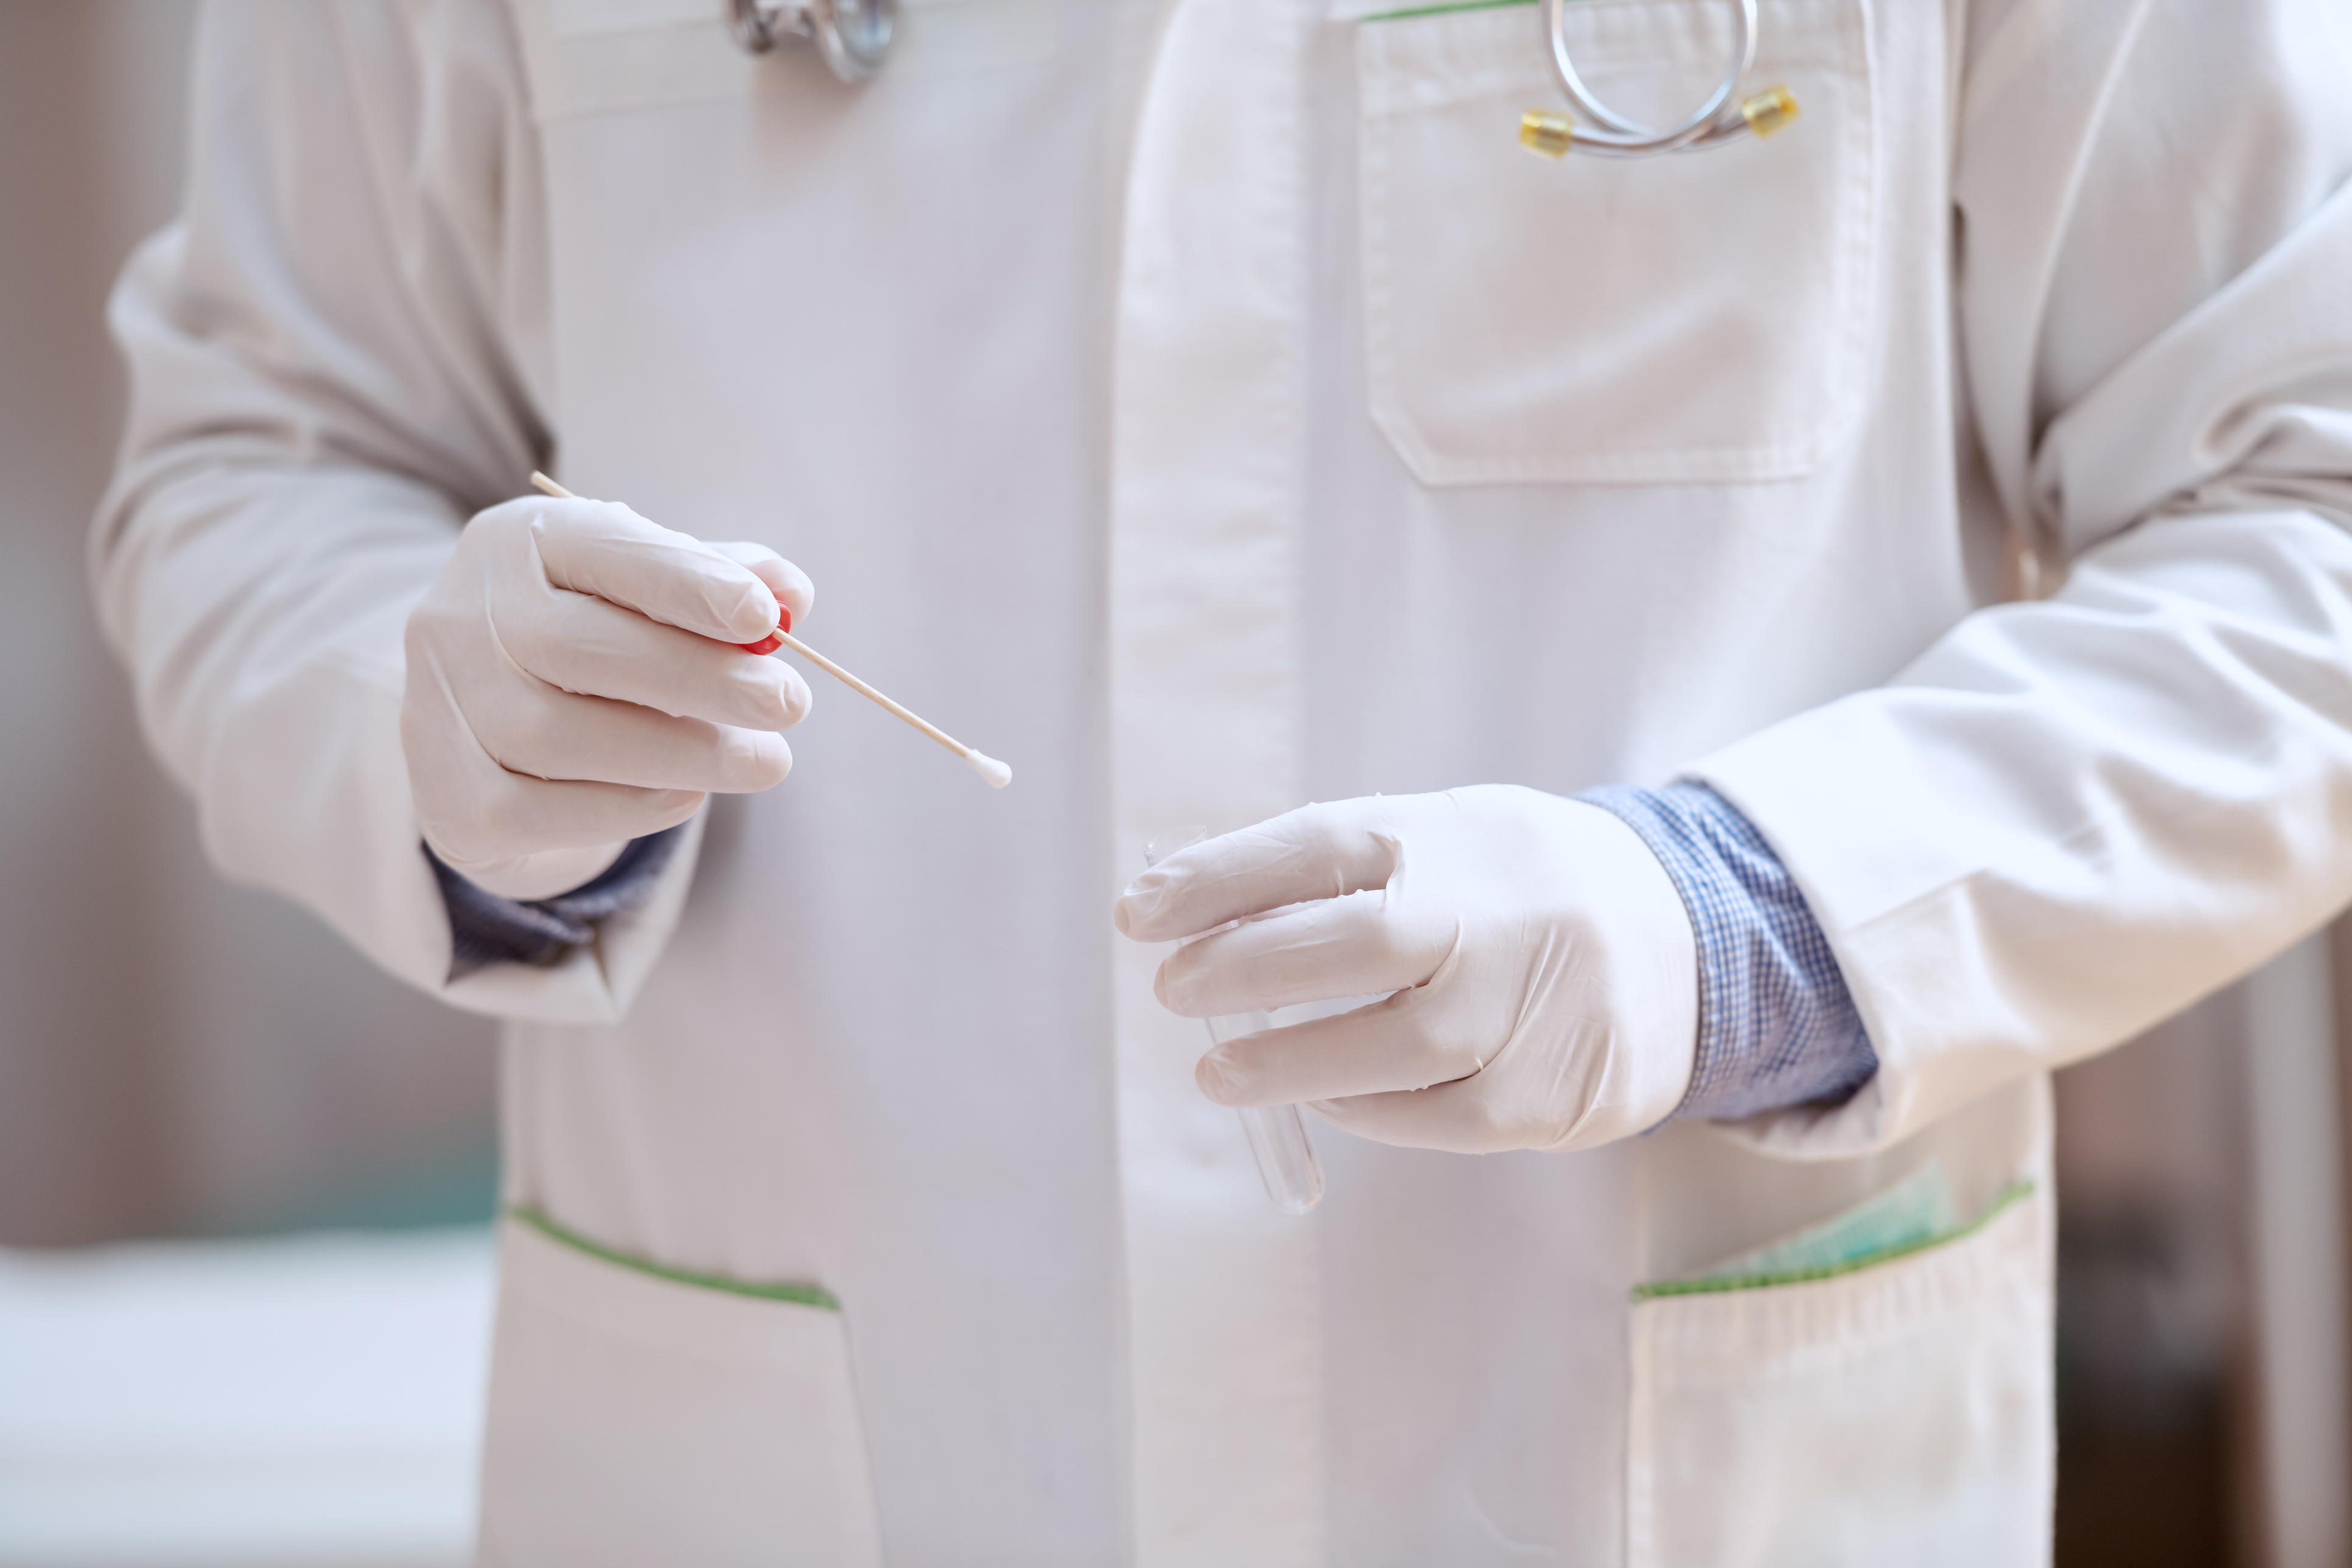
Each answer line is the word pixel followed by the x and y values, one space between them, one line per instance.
pixel 1695 317
pixel 1897 1414
pixel 636 1419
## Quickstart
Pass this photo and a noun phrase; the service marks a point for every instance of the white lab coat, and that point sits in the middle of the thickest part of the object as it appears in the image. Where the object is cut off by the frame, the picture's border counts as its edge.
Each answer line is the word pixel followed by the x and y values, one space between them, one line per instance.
pixel 1206 407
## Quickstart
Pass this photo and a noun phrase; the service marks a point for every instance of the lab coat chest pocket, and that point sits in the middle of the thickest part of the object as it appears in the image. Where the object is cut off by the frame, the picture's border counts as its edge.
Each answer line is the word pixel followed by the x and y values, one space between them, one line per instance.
pixel 1696 316
pixel 1899 1414
pixel 634 1420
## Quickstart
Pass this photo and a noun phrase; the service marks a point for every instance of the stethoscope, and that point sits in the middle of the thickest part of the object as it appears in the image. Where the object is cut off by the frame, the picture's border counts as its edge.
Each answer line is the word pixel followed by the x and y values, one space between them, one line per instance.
pixel 854 37
pixel 1725 117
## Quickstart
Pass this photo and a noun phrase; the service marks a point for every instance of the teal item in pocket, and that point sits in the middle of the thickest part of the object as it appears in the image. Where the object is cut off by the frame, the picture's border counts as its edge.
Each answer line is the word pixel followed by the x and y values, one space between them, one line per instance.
pixel 1915 1209
pixel 1912 1215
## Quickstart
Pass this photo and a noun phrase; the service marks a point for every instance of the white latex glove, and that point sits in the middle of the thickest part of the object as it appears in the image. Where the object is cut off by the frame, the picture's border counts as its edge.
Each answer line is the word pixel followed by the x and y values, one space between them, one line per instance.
pixel 1544 973
pixel 573 684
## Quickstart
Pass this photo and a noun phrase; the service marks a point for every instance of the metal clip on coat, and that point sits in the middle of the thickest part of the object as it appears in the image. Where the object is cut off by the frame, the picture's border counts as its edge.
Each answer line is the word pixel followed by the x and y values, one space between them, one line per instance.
pixel 1724 117
pixel 853 35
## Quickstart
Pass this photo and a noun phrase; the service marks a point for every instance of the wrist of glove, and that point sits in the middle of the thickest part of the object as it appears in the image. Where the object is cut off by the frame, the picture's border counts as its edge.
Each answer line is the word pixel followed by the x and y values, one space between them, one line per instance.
pixel 574 683
pixel 1543 971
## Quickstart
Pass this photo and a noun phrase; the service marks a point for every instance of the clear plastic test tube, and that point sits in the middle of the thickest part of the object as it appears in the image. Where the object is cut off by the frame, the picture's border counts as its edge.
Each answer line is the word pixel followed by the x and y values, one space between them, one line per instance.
pixel 1276 1133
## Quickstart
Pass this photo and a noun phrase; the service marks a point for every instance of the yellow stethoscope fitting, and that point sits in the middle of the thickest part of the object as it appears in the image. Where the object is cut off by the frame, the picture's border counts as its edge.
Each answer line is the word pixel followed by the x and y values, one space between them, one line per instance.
pixel 1725 116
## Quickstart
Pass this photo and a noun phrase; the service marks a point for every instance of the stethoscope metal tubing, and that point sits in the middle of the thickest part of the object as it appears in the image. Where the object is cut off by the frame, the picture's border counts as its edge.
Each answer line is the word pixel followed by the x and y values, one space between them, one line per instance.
pixel 1612 135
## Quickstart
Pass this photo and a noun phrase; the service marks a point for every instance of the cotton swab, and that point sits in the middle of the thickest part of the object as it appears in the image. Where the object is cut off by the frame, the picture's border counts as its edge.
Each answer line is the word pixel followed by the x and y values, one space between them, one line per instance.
pixel 997 773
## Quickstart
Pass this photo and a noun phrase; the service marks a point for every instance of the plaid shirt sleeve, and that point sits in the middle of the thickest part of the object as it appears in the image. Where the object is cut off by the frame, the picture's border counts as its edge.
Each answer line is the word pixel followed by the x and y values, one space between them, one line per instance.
pixel 1777 1026
pixel 485 928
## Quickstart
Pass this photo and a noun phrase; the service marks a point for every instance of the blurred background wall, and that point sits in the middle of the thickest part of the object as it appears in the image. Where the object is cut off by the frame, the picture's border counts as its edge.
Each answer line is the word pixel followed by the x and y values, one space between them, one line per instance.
pixel 176 1056
pixel 183 1058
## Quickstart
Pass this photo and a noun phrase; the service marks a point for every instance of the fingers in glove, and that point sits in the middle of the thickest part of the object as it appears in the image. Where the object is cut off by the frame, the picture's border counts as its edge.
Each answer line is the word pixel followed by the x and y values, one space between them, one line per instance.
pixel 473 809
pixel 1402 1043
pixel 593 738
pixel 1349 946
pixel 1315 852
pixel 788 582
pixel 589 647
pixel 603 548
pixel 1508 1104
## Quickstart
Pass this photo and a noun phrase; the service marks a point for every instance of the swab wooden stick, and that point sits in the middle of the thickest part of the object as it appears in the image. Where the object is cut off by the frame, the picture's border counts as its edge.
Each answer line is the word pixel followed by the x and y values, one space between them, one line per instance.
pixel 997 773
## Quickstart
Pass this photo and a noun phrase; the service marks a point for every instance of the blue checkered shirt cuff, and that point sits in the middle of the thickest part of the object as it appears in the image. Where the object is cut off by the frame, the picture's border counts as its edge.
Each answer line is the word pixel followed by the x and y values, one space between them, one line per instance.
pixel 485 928
pixel 1777 1026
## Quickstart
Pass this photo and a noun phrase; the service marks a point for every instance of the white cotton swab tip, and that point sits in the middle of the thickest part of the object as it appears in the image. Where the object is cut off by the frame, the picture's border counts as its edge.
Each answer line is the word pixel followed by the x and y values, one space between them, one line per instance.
pixel 997 773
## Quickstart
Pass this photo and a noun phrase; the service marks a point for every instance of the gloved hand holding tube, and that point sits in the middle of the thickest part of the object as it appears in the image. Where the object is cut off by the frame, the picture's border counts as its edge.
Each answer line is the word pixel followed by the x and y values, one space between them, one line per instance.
pixel 576 681
pixel 1278 1138
pixel 1544 971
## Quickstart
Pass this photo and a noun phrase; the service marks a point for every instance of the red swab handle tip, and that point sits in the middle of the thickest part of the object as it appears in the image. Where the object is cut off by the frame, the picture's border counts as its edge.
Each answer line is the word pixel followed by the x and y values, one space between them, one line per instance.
pixel 770 643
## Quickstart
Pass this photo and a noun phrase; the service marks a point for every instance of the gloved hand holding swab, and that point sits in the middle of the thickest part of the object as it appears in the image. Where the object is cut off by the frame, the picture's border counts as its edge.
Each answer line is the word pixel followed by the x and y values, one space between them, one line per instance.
pixel 998 775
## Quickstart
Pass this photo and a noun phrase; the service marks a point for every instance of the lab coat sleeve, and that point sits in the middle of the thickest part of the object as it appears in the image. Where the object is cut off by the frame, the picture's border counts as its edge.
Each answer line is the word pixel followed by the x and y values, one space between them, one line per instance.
pixel 337 356
pixel 2070 818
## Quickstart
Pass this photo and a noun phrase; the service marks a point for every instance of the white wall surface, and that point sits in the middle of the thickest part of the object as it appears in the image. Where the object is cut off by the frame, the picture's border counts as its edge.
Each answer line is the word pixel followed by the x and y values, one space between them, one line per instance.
pixel 289 1402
